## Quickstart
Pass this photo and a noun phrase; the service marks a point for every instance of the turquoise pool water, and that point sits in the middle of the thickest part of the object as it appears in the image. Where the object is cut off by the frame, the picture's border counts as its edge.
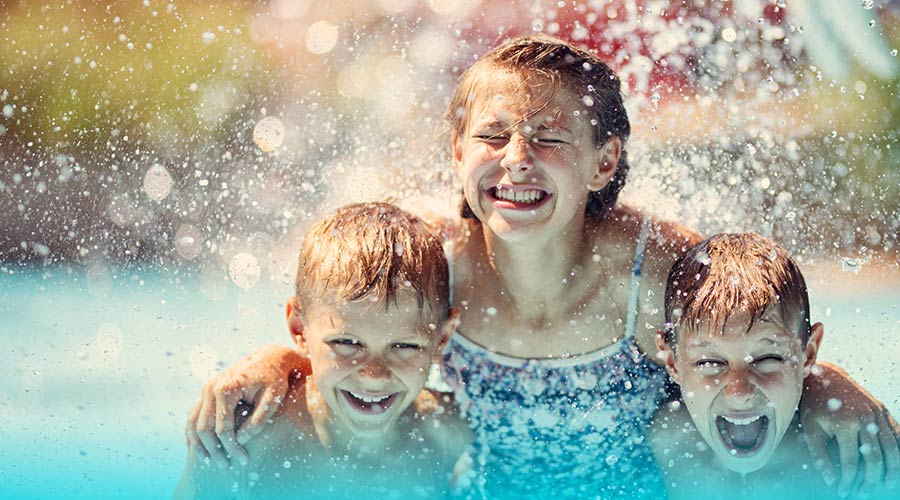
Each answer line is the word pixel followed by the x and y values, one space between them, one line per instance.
pixel 99 368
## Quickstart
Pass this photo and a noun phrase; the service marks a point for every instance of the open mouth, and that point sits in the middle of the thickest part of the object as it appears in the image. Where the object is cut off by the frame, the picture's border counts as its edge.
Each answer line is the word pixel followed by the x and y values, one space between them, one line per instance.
pixel 518 198
pixel 744 436
pixel 370 404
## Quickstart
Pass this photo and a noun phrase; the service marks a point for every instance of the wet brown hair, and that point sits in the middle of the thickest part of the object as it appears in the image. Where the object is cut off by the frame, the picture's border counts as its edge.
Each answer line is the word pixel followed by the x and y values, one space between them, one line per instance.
pixel 374 251
pixel 563 65
pixel 734 273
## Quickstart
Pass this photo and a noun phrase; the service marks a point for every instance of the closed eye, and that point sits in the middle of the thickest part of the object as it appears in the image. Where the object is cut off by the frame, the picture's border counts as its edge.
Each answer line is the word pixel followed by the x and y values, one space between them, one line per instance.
pixel 491 138
pixel 407 345
pixel 768 363
pixel 710 366
pixel 548 141
pixel 343 346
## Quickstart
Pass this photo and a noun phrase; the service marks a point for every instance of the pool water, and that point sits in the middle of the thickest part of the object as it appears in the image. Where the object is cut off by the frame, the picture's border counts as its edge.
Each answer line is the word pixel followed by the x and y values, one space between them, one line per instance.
pixel 99 367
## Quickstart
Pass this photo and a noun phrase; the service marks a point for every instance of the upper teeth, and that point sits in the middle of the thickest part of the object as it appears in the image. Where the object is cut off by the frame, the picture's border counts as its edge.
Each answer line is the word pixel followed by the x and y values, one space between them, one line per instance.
pixel 742 421
pixel 369 399
pixel 526 196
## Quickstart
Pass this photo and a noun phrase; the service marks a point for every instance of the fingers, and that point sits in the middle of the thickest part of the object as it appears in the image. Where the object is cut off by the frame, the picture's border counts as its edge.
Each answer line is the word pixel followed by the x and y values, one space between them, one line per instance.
pixel 870 450
pixel 206 427
pixel 265 408
pixel 226 404
pixel 848 450
pixel 817 443
pixel 887 439
pixel 190 433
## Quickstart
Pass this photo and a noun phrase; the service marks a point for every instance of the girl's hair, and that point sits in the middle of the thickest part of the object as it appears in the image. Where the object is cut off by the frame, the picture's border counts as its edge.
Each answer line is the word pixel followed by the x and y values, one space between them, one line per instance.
pixel 576 70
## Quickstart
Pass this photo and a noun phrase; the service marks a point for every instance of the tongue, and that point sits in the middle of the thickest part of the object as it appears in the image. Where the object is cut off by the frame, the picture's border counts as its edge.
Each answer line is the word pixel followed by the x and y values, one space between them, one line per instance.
pixel 744 436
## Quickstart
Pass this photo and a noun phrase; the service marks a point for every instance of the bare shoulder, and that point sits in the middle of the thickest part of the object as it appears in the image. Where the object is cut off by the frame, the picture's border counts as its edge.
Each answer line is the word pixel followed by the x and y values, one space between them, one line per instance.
pixel 666 242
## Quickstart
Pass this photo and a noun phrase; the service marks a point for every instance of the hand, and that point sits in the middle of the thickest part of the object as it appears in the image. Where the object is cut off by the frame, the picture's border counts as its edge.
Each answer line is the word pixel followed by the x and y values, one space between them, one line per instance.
pixel 834 406
pixel 242 398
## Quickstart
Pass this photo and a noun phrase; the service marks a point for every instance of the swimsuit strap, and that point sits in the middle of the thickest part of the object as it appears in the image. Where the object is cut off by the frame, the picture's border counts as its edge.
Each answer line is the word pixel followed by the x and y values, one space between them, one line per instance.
pixel 447 246
pixel 636 264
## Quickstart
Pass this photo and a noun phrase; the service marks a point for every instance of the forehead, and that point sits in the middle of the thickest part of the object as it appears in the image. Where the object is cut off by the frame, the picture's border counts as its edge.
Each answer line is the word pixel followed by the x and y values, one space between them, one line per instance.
pixel 505 97
pixel 367 318
pixel 767 332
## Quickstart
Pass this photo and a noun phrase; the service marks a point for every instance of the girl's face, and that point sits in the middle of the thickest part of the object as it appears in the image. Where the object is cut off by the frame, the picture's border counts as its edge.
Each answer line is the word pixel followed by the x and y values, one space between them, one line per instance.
pixel 527 160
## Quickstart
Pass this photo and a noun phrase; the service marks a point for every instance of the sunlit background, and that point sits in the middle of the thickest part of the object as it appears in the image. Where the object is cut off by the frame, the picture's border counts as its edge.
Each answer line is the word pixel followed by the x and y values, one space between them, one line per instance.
pixel 160 161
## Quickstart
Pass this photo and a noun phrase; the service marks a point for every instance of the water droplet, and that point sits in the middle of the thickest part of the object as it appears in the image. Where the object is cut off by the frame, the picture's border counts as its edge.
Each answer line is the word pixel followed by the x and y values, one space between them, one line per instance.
pixel 587 100
pixel 834 404
pixel 286 464
pixel 188 241
pixel 268 134
pixel 208 37
pixel 851 265
pixel 244 270
pixel 703 258
pixel 729 35
pixel 867 4
pixel 612 460
pixel 157 182
pixel 321 37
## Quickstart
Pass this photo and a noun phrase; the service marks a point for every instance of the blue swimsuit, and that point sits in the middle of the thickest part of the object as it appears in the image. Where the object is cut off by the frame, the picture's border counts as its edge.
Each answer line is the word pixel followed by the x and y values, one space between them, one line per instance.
pixel 565 427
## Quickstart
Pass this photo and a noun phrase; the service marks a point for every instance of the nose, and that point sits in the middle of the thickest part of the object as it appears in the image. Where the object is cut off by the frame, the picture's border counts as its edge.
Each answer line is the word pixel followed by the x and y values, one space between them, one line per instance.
pixel 375 369
pixel 740 389
pixel 516 157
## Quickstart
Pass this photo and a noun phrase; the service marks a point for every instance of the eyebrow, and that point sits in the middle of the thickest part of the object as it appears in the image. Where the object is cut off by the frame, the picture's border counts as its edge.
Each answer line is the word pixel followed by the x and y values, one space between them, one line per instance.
pixel 552 124
pixel 705 344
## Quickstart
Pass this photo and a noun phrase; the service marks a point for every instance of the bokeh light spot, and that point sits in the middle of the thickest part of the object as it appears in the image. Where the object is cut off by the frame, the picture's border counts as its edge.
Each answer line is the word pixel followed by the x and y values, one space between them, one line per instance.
pixel 157 182
pixel 268 134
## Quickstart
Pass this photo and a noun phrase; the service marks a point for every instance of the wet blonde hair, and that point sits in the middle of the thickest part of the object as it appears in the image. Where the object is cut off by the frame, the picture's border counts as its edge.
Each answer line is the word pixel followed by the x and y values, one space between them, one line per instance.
pixel 373 252
pixel 564 66
pixel 735 273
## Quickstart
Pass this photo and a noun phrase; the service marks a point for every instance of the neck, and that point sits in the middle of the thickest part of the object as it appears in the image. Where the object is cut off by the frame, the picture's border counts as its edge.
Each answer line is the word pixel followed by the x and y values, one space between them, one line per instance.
pixel 537 276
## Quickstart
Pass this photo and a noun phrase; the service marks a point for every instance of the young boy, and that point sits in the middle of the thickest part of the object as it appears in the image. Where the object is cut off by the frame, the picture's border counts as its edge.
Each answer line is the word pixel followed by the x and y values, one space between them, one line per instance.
pixel 371 311
pixel 739 343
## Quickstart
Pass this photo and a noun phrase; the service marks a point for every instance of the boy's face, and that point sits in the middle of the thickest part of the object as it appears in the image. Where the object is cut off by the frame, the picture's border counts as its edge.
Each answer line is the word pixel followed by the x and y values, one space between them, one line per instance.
pixel 368 363
pixel 742 387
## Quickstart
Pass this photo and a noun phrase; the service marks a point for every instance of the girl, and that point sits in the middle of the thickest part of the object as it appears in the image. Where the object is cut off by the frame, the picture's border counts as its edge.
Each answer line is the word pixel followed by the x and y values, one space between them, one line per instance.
pixel 560 289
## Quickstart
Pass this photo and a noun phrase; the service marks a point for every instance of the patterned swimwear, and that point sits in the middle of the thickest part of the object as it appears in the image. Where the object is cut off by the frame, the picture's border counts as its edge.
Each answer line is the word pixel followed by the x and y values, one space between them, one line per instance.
pixel 566 427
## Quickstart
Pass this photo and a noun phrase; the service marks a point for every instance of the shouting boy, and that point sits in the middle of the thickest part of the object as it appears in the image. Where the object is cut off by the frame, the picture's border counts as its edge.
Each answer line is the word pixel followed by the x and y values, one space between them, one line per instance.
pixel 739 342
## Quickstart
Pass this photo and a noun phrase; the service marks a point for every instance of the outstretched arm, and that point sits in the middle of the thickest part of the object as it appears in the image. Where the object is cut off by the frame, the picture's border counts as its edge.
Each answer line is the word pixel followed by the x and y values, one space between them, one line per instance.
pixel 237 403
pixel 836 407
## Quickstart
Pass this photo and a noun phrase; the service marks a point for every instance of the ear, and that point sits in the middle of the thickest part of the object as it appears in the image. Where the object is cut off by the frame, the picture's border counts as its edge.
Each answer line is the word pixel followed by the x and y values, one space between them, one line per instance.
pixel 295 326
pixel 667 356
pixel 812 347
pixel 607 161
pixel 448 328
pixel 457 150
